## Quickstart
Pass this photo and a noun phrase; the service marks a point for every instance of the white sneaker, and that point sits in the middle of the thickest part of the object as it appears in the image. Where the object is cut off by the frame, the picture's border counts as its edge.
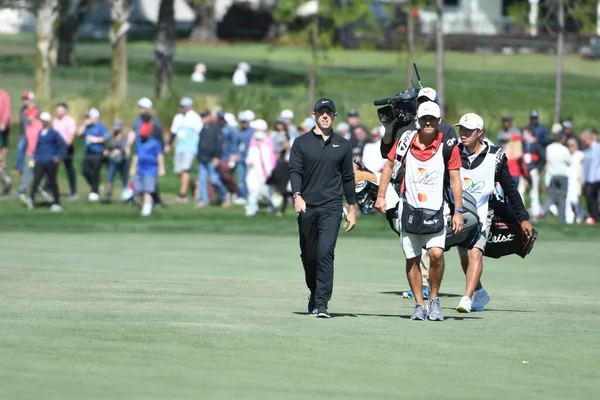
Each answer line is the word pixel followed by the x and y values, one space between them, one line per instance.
pixel 56 208
pixel 94 197
pixel 146 209
pixel 464 306
pixel 480 299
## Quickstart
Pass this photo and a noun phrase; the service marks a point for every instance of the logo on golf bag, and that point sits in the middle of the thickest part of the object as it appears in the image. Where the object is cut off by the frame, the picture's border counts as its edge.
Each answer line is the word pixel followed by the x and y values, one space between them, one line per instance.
pixel 500 238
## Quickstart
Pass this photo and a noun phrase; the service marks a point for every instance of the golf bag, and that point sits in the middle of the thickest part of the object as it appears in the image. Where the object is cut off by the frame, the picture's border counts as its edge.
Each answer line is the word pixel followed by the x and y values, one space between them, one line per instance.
pixel 506 236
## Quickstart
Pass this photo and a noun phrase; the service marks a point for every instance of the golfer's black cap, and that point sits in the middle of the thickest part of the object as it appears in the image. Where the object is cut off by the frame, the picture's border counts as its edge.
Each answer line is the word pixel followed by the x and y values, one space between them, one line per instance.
pixel 324 103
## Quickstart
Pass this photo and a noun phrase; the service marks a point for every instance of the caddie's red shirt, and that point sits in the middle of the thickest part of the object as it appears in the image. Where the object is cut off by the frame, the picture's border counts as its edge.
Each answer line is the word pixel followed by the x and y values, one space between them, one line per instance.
pixel 454 162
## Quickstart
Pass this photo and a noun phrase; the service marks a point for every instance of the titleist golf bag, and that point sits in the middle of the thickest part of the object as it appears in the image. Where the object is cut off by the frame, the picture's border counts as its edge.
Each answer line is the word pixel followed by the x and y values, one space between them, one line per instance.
pixel 506 236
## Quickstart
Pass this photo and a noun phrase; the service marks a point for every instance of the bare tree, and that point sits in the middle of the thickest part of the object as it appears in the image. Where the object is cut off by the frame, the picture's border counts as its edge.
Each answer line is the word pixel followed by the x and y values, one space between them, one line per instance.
pixel 165 47
pixel 439 49
pixel 560 50
pixel 120 10
pixel 71 14
pixel 47 14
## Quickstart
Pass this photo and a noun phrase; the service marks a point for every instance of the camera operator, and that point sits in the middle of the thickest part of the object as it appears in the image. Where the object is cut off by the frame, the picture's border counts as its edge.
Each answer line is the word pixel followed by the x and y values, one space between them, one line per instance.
pixel 395 128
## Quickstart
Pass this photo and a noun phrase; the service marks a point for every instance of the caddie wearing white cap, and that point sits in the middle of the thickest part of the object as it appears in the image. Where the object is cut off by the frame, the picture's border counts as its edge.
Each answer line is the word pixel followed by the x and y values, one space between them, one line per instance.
pixel 482 166
pixel 424 161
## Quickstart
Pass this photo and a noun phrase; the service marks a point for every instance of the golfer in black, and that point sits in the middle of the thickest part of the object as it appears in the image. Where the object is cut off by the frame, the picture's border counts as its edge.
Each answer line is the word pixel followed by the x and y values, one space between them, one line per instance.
pixel 321 173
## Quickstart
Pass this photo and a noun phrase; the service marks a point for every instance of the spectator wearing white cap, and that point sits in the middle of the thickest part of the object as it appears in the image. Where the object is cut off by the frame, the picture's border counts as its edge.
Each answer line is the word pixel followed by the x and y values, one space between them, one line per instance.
pixel 185 132
pixel 49 151
pixel 260 162
pixel 371 157
pixel 240 77
pixel 95 134
pixel 288 119
pixel 245 134
pixel 145 115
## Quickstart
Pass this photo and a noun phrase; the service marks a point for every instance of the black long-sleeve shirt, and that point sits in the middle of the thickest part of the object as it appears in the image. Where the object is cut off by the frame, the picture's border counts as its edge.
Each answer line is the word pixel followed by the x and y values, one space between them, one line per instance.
pixel 321 171
pixel 501 175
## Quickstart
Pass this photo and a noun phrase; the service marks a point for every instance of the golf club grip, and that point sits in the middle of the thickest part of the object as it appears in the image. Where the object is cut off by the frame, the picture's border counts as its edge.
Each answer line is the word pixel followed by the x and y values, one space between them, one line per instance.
pixel 381 102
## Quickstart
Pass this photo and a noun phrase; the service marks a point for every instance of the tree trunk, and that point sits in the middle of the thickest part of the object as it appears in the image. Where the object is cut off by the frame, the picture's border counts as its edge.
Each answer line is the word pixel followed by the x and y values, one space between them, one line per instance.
pixel 312 76
pixel 47 15
pixel 410 42
pixel 439 49
pixel 119 11
pixel 560 49
pixel 69 20
pixel 165 47
pixel 206 25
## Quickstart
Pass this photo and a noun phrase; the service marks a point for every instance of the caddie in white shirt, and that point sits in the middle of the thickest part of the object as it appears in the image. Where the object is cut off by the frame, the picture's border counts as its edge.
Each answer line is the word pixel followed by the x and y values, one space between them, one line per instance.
pixel 482 167
pixel 429 162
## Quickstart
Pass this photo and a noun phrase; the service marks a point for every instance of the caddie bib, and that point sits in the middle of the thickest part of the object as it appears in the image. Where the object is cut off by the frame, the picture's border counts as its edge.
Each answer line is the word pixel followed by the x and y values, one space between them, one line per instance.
pixel 423 190
pixel 480 183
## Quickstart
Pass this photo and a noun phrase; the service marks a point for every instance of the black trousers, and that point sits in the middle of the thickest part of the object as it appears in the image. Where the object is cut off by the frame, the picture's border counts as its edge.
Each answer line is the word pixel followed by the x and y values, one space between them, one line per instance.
pixel 319 228
pixel 71 174
pixel 591 198
pixel 49 170
pixel 92 164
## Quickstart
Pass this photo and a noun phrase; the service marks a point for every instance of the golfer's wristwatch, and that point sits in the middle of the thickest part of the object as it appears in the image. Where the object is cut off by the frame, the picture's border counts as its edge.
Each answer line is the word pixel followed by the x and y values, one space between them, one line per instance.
pixel 296 195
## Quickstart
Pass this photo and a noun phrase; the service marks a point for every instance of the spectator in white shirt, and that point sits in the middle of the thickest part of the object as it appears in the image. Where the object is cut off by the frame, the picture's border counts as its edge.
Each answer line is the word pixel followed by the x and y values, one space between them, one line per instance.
pixel 574 211
pixel 185 131
pixel 558 160
pixel 371 158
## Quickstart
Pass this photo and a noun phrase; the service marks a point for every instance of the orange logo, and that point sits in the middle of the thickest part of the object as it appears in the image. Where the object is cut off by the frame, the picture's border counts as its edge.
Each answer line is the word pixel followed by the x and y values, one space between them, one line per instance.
pixel 422 197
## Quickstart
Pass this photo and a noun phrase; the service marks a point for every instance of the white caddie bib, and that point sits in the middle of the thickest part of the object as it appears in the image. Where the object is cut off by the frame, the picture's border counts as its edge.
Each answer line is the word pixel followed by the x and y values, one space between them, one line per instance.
pixel 480 183
pixel 424 181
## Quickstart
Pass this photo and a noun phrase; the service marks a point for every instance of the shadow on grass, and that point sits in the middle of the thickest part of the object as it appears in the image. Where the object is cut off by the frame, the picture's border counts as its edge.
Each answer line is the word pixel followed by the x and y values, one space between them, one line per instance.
pixel 337 315
pixel 440 295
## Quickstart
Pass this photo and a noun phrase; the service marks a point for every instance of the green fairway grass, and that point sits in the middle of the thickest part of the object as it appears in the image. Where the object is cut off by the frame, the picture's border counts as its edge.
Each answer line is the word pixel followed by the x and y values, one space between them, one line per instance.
pixel 211 316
